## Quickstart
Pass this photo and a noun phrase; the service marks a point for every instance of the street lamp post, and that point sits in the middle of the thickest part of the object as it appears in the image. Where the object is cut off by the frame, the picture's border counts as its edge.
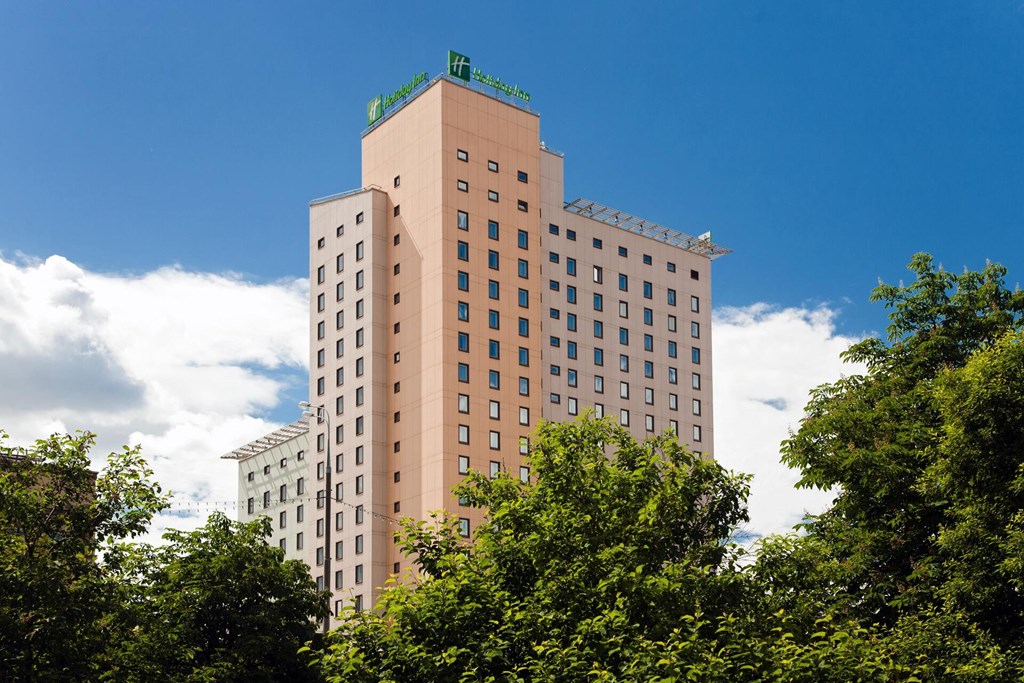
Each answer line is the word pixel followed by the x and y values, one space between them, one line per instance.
pixel 321 415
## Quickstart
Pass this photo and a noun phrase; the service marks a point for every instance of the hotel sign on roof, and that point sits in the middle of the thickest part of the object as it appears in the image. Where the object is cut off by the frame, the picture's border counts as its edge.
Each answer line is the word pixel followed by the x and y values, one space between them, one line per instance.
pixel 458 67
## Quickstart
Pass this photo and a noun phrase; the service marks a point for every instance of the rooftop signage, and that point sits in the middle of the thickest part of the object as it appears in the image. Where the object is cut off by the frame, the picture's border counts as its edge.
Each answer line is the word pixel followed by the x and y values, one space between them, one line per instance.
pixel 459 67
pixel 376 107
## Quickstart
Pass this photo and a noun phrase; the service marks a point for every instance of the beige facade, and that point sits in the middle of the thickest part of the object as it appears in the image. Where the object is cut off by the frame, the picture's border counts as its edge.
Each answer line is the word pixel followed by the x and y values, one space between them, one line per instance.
pixel 456 300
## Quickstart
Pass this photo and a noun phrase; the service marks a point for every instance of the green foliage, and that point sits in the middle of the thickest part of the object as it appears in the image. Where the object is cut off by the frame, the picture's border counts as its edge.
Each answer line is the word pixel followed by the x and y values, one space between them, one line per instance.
pixel 56 600
pixel 217 604
pixel 579 575
pixel 925 452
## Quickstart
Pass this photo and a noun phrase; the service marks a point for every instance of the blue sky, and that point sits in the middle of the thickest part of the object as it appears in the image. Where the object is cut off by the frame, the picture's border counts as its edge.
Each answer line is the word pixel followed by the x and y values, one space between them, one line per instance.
pixel 823 142
pixel 157 159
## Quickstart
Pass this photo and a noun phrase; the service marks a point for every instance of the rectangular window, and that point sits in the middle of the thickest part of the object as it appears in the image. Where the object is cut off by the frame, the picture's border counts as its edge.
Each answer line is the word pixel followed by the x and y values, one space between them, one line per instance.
pixel 598 329
pixel 493 319
pixel 359 251
pixel 673 401
pixel 648 342
pixel 524 474
pixel 623 389
pixel 493 379
pixel 598 302
pixel 492 259
pixel 694 275
pixel 463 250
pixel 570 267
pixel 464 372
pixel 648 369
pixel 463 403
pixel 494 439
pixel 623 282
pixel 493 349
pixel 522 205
pixel 463 433
pixel 624 336
pixel 495 469
pixel 463 342
pixel 570 294
pixel 462 154
pixel 522 177
pixel 623 251
pixel 572 377
pixel 598 384
pixel 494 410
pixel 672 349
pixel 648 290
pixel 523 239
pixel 463 281
pixel 695 380
pixel 696 406
pixel 648 316
pixel 524 298
pixel 571 350
pixel 524 327
pixel 321 275
pixel 570 322
pixel 695 330
pixel 463 464
pixel 492 230
pixel 624 417
pixel 649 396
pixel 598 244
pixel 695 355
pixel 492 289
pixel 598 274
pixel 524 386
pixel 462 185
pixel 462 220
pixel 492 195
pixel 573 406
pixel 463 311
pixel 524 356
pixel 694 304
pixel 463 527
pixel 492 165
pixel 553 229
pixel 598 356
pixel 696 433
pixel 648 260
pixel 524 268
pixel 524 416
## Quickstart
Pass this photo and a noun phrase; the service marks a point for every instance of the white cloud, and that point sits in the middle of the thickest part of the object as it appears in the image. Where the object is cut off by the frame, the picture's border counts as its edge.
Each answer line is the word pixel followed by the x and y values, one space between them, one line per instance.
pixel 183 363
pixel 766 361
pixel 189 364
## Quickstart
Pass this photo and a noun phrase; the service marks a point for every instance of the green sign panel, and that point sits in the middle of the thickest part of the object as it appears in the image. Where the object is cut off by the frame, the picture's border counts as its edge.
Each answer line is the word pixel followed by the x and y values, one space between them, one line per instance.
pixel 458 67
pixel 376 107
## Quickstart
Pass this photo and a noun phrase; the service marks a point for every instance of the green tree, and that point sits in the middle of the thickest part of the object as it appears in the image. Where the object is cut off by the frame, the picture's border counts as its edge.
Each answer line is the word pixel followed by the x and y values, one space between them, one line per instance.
pixel 925 453
pixel 56 519
pixel 218 604
pixel 573 576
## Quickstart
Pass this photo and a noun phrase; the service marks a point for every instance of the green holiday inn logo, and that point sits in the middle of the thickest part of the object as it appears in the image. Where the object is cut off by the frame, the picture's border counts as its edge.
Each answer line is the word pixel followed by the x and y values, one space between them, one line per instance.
pixel 376 107
pixel 374 110
pixel 458 65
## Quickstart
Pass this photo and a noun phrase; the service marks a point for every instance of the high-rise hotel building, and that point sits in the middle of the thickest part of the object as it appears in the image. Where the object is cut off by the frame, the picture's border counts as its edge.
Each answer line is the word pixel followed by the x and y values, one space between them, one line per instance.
pixel 455 300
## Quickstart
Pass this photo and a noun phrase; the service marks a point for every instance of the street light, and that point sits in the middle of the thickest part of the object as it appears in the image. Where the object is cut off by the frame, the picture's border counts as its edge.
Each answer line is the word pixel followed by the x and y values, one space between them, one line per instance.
pixel 321 415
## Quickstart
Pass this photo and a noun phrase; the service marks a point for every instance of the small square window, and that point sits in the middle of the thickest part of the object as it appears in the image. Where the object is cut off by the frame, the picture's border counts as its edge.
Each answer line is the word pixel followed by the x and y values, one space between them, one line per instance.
pixel 492 195
pixel 623 251
pixel 671 267
pixel 492 166
pixel 398 180
pixel 598 244
pixel 522 205
pixel 359 218
pixel 462 185
pixel 339 231
pixel 694 275
pixel 648 260
pixel 522 177
pixel 462 154
pixel 320 243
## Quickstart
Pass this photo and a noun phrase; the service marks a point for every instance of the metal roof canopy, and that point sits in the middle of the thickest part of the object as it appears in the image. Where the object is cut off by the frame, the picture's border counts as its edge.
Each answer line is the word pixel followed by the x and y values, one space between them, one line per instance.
pixel 265 443
pixel 638 226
